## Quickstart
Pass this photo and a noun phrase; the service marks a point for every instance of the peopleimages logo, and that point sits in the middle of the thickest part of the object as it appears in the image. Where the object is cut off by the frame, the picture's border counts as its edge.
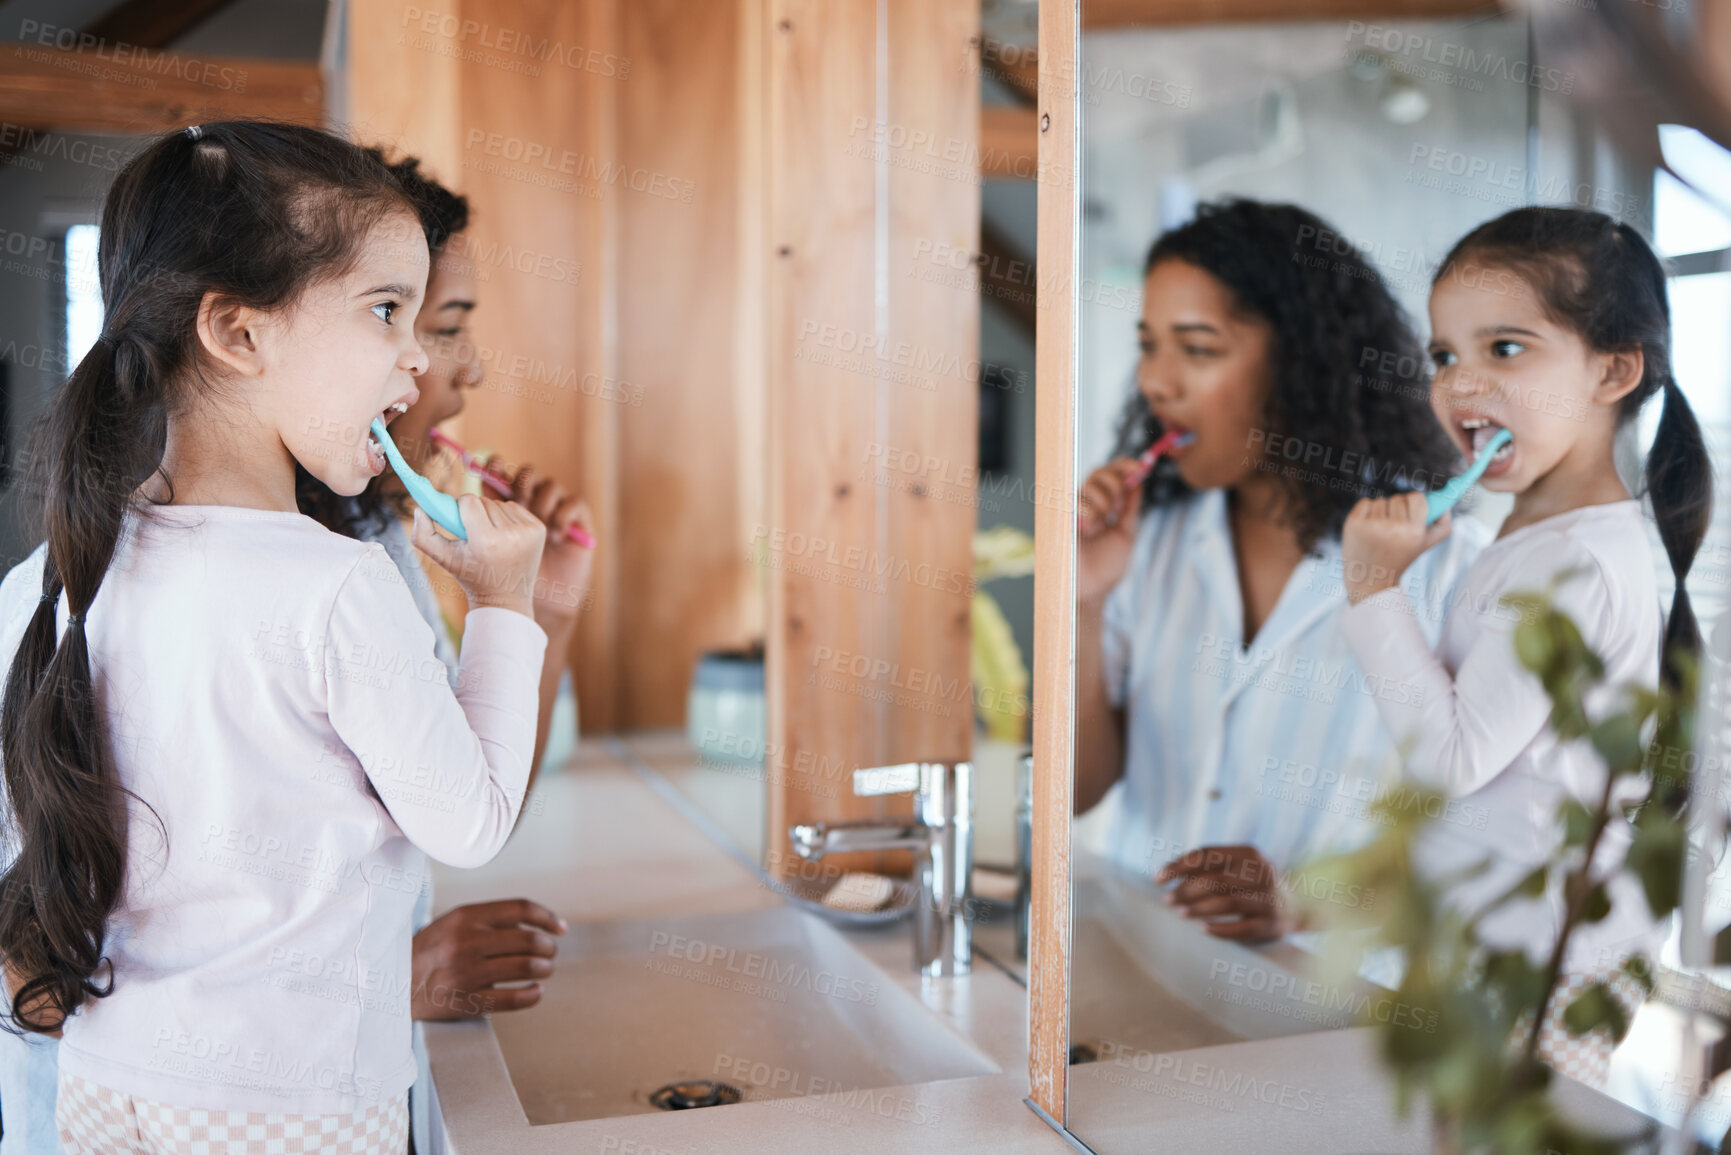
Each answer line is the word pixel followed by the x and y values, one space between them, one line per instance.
pixel 766 968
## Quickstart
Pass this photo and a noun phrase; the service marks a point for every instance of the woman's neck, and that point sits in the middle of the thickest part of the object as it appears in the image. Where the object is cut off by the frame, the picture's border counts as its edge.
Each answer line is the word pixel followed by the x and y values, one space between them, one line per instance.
pixel 1265 547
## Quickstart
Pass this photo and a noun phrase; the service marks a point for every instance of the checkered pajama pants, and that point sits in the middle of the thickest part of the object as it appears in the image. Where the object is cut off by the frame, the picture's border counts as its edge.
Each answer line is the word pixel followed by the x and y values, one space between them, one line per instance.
pixel 95 1120
pixel 1586 1058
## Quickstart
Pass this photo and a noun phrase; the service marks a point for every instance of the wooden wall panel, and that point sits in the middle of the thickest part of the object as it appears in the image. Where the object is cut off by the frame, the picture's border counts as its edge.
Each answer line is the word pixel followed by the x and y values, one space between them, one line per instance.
pixel 1054 678
pixel 933 410
pixel 400 92
pixel 869 583
pixel 533 150
pixel 691 581
pixel 823 232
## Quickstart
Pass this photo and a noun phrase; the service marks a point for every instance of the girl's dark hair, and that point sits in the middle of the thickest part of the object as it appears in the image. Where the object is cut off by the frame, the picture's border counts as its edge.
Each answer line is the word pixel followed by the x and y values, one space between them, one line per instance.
pixel 443 214
pixel 1348 373
pixel 254 212
pixel 1599 278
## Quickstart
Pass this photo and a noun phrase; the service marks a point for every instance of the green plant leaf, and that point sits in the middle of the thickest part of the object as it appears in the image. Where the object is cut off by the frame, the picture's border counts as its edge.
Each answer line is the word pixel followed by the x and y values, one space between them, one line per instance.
pixel 1617 738
pixel 1534 645
pixel 1593 1008
pixel 1722 947
pixel 1577 823
pixel 1596 905
pixel 1639 968
pixel 1656 858
pixel 1533 885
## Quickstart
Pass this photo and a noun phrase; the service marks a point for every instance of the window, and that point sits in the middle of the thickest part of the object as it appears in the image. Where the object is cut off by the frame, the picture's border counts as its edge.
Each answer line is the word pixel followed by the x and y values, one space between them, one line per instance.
pixel 1692 233
pixel 83 293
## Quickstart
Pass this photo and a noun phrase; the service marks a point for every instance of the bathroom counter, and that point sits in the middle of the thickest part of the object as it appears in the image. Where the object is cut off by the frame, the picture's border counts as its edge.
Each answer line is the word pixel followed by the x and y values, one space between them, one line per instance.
pixel 597 844
pixel 603 843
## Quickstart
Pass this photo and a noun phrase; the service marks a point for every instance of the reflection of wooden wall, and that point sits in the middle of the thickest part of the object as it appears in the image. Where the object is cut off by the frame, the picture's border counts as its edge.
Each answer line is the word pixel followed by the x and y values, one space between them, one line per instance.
pixel 612 322
pixel 1054 680
pixel 850 219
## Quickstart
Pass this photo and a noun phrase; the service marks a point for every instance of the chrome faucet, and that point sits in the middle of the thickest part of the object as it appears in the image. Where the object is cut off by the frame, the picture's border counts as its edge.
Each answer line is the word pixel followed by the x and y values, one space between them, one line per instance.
pixel 941 835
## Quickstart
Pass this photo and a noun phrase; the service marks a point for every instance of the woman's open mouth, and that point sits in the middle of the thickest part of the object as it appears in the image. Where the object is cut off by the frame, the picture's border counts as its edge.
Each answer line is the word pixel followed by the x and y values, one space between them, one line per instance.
pixel 1477 432
pixel 376 452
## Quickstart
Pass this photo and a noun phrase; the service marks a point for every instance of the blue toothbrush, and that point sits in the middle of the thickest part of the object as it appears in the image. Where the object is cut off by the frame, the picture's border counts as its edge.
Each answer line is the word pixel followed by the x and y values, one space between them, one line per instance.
pixel 441 507
pixel 1440 501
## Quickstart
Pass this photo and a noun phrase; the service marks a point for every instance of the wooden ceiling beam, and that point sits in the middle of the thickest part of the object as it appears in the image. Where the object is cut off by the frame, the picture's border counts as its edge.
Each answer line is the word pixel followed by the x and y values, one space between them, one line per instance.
pixel 121 88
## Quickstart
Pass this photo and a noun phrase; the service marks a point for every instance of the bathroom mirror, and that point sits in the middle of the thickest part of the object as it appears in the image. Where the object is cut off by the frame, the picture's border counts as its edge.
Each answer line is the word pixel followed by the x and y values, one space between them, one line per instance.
pixel 1396 137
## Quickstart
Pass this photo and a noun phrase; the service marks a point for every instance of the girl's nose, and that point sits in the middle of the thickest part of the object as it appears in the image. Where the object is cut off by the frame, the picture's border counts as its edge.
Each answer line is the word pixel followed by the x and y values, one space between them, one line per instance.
pixel 413 358
pixel 1456 381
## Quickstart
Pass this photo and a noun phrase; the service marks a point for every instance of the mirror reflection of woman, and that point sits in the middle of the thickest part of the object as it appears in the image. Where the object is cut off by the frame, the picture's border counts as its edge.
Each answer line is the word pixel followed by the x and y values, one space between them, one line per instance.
pixel 1211 680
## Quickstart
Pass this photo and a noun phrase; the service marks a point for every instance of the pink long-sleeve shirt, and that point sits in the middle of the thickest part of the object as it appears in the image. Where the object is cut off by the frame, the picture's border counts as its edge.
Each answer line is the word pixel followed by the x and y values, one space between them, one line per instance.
pixel 274 698
pixel 1479 727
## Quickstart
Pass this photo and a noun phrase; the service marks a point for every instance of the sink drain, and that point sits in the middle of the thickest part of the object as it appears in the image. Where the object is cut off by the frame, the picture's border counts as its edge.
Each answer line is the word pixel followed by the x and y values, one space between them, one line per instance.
pixel 696 1093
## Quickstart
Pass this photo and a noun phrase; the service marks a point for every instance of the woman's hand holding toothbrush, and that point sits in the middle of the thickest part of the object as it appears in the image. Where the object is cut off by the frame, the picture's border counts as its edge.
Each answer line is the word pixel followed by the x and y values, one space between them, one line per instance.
pixel 562 585
pixel 497 565
pixel 1108 511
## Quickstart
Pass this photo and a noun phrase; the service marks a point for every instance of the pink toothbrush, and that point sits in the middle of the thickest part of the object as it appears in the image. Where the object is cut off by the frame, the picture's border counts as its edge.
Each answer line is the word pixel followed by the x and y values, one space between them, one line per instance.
pixel 1171 439
pixel 497 484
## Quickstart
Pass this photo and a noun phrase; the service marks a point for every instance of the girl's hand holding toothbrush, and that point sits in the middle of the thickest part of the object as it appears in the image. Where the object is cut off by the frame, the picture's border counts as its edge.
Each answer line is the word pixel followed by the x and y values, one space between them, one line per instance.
pixel 1381 538
pixel 497 565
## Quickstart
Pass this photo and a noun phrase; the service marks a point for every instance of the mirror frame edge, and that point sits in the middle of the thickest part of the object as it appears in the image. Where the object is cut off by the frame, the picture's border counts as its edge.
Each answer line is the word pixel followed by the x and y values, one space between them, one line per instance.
pixel 1053 685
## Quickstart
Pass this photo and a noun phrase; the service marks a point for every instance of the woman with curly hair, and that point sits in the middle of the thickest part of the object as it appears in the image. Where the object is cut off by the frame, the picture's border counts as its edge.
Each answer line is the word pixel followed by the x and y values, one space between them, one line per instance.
pixel 1211 680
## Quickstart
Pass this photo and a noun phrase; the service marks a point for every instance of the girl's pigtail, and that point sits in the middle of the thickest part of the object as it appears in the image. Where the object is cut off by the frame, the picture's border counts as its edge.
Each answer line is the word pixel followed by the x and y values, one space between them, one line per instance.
pixel 56 898
pixel 1680 487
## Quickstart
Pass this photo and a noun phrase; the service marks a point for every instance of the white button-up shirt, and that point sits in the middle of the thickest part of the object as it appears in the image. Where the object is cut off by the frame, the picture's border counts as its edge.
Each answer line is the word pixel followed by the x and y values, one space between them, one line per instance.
pixel 1278 744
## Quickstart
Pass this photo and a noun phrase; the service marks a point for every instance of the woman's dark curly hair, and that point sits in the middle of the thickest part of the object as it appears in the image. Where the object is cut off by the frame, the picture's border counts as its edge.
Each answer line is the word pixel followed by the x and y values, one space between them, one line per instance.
pixel 443 214
pixel 1349 375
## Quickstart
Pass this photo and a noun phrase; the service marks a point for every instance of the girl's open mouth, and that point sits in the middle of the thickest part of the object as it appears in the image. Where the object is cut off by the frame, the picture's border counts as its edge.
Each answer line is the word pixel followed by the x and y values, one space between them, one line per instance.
pixel 375 451
pixel 1478 431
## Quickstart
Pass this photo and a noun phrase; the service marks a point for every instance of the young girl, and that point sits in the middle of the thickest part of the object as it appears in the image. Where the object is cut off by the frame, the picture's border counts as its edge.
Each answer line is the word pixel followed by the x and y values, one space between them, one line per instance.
pixel 221 754
pixel 1551 323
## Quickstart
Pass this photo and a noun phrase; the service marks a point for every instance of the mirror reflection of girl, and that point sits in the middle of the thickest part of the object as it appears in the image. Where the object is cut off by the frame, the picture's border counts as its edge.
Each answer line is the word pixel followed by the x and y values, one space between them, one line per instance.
pixel 211 700
pixel 1211 680
pixel 1551 323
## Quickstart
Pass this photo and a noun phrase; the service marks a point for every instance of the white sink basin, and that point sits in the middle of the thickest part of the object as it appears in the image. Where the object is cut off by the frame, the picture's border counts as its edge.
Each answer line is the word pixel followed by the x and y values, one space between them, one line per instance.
pixel 1147 980
pixel 771 1002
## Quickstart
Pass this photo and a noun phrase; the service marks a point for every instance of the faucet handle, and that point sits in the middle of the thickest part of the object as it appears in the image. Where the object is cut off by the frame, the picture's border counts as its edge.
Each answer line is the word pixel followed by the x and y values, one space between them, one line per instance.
pixel 900 779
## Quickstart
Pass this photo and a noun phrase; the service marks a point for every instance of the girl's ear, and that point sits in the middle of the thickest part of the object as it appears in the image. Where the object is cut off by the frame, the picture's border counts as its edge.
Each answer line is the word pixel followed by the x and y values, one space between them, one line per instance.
pixel 230 333
pixel 1620 374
